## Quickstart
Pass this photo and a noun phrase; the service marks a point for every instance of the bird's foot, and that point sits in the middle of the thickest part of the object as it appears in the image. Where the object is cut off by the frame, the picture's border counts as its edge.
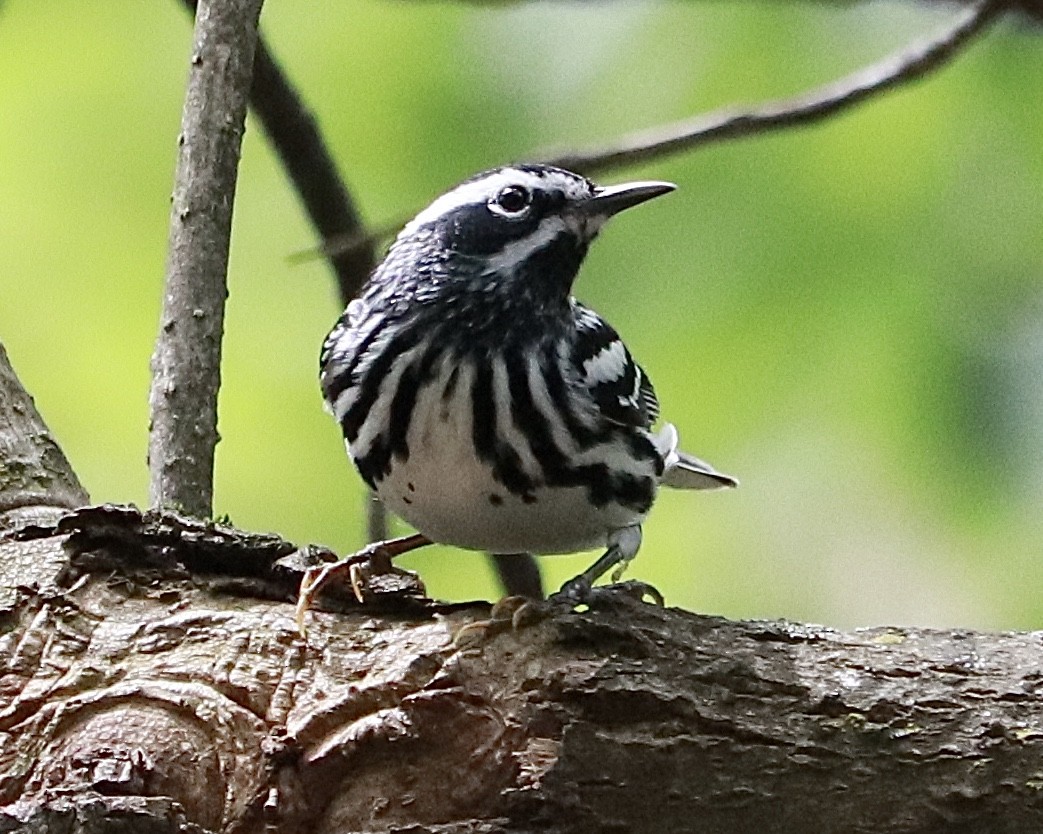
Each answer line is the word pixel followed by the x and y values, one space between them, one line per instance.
pixel 509 614
pixel 368 572
pixel 579 591
pixel 623 545
pixel 516 612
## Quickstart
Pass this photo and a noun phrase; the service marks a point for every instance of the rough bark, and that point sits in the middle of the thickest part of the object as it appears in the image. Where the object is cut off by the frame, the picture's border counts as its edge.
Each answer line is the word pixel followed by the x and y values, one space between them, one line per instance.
pixel 160 680
pixel 186 364
pixel 37 484
pixel 36 480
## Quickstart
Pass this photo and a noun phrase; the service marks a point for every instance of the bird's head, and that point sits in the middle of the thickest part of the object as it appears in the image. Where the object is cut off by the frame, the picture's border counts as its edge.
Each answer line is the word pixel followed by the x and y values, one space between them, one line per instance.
pixel 523 226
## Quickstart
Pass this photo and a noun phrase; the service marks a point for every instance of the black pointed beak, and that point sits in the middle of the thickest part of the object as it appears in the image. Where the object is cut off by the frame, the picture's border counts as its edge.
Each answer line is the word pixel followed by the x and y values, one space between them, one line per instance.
pixel 612 199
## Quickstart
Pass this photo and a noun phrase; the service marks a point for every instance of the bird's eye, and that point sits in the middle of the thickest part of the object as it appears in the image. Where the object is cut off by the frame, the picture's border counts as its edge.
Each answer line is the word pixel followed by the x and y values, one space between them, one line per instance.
pixel 512 201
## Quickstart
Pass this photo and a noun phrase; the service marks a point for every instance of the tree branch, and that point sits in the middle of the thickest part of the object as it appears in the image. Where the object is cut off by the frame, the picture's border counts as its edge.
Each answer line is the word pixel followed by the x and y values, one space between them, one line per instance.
pixel 36 480
pixel 1033 9
pixel 165 669
pixel 909 64
pixel 297 140
pixel 905 66
pixel 186 364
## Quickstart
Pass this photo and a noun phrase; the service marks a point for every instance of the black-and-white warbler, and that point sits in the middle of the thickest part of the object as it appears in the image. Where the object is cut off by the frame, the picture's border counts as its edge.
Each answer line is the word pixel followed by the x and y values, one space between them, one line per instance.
pixel 482 402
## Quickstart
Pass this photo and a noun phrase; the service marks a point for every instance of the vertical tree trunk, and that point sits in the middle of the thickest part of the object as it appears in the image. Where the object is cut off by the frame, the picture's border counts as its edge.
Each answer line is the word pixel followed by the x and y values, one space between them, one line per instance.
pixel 186 365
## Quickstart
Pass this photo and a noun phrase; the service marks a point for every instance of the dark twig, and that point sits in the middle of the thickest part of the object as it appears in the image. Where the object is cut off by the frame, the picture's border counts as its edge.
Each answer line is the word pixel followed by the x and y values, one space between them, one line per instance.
pixel 358 240
pixel 186 365
pixel 376 518
pixel 296 138
pixel 907 65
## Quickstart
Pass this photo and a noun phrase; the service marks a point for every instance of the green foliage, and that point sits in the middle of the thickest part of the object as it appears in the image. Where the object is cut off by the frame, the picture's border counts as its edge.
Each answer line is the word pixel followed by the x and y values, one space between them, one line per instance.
pixel 848 317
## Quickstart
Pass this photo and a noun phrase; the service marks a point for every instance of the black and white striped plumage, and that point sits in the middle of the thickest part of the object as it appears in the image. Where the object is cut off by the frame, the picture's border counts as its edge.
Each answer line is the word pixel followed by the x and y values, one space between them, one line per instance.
pixel 484 404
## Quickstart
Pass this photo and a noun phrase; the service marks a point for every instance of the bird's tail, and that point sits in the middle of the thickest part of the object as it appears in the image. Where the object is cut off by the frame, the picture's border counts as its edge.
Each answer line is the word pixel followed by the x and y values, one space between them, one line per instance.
pixel 681 470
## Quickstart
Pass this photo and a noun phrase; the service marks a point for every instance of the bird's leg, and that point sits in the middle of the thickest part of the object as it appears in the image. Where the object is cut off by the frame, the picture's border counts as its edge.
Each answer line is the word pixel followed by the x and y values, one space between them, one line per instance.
pixel 623 545
pixel 373 559
pixel 519 574
pixel 519 611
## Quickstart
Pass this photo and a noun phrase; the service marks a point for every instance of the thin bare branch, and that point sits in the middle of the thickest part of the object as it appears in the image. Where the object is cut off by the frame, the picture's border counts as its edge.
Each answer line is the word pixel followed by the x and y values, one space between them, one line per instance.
pixel 905 66
pixel 360 239
pixel 296 138
pixel 519 573
pixel 909 64
pixel 186 365
pixel 376 518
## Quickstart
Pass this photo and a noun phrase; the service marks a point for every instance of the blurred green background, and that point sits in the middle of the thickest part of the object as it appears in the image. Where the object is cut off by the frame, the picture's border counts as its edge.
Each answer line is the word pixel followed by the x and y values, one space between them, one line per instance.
pixel 848 317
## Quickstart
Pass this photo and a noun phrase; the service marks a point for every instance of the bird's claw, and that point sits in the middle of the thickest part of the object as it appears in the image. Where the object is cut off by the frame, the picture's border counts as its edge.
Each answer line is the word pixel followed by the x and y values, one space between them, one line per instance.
pixel 636 589
pixel 579 591
pixel 509 614
pixel 517 612
pixel 316 579
pixel 362 570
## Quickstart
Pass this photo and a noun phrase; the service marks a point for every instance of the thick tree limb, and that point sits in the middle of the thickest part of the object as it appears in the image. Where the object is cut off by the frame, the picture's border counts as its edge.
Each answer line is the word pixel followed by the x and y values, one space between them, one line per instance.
pixel 36 480
pixel 186 365
pixel 909 64
pixel 37 484
pixel 163 678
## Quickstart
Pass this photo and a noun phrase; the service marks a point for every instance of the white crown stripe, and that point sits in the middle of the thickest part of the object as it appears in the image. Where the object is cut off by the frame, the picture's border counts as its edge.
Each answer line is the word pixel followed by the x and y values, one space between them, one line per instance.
pixel 480 191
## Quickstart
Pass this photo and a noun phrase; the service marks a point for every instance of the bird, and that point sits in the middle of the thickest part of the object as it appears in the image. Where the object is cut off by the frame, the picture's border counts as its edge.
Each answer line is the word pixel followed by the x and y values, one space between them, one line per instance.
pixel 484 404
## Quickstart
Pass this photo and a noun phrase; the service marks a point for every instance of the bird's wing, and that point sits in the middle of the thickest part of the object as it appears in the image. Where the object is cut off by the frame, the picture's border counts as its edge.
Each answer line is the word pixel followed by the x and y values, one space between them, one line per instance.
pixel 624 394
pixel 620 388
pixel 344 348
